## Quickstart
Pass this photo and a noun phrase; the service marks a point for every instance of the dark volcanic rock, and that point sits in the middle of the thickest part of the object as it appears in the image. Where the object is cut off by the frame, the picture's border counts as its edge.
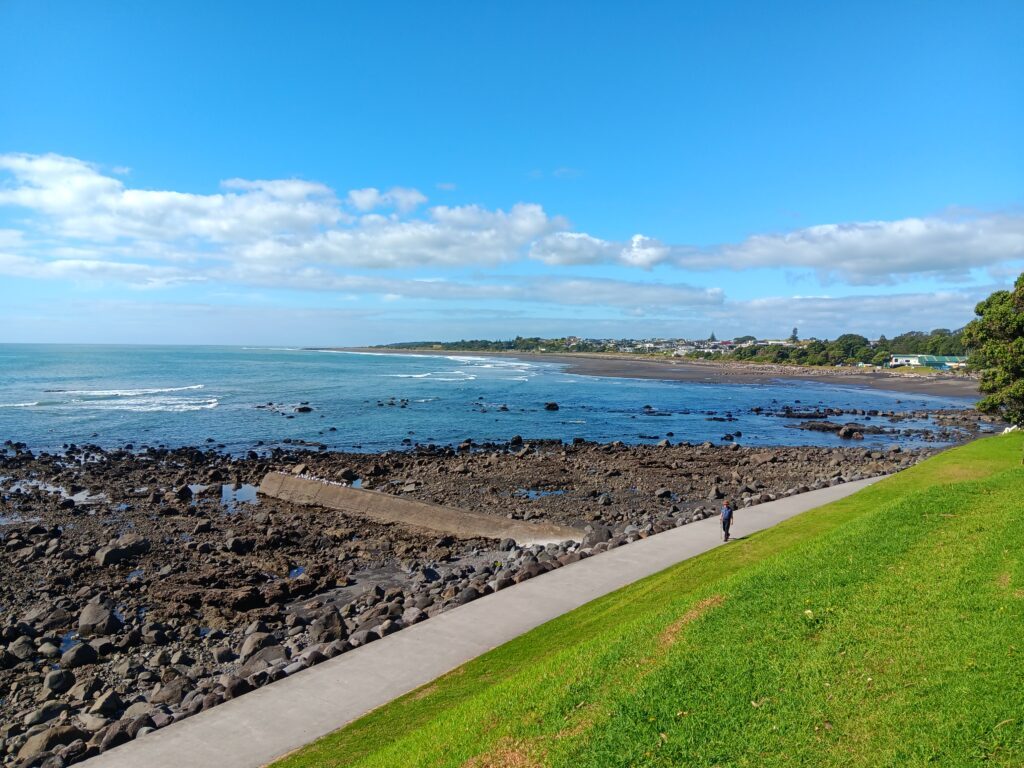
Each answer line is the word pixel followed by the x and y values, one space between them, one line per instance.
pixel 45 741
pixel 79 656
pixel 98 619
pixel 58 681
pixel 128 547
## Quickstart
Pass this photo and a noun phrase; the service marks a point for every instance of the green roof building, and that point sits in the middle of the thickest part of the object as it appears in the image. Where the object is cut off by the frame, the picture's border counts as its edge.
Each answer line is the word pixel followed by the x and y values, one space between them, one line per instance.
pixel 941 362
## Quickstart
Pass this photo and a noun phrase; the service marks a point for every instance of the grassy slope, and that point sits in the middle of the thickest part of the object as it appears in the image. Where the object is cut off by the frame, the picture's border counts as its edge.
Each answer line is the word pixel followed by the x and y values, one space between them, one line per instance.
pixel 884 629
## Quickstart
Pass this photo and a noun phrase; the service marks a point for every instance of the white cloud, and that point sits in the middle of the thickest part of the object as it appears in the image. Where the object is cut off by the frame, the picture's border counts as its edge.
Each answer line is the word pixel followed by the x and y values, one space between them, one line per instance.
pixel 295 234
pixel 282 220
pixel 11 238
pixel 83 203
pixel 448 237
pixel 859 253
pixel 365 199
pixel 132 274
pixel 556 290
pixel 869 315
pixel 402 199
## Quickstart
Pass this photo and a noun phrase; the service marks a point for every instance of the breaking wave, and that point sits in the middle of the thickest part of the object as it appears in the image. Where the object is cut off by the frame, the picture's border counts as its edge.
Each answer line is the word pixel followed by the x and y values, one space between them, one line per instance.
pixel 124 392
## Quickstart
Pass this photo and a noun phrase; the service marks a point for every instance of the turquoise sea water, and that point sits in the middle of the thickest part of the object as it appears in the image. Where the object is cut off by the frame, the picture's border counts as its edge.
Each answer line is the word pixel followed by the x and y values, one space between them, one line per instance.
pixel 112 395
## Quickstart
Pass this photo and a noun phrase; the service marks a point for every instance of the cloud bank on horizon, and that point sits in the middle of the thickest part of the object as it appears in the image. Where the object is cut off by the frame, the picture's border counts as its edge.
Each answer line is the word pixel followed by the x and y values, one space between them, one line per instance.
pixel 393 254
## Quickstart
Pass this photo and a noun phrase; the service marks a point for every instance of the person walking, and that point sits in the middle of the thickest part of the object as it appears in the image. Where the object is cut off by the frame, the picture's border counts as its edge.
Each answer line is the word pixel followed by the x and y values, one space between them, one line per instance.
pixel 726 519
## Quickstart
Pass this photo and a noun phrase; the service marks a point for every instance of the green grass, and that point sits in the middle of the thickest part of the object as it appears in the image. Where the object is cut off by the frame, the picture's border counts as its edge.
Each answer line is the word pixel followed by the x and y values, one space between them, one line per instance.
pixel 886 629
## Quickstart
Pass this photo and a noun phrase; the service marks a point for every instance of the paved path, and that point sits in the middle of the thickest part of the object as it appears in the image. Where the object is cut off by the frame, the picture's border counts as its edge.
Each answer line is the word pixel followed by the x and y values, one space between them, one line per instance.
pixel 263 725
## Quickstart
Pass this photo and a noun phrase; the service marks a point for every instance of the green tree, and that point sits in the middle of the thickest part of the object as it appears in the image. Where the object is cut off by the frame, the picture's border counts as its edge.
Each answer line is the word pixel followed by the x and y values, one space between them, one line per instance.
pixel 996 343
pixel 849 348
pixel 712 337
pixel 880 358
pixel 794 337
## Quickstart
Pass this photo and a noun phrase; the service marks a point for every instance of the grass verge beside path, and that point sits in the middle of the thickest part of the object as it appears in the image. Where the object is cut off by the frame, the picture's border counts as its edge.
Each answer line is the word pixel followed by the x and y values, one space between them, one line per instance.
pixel 886 629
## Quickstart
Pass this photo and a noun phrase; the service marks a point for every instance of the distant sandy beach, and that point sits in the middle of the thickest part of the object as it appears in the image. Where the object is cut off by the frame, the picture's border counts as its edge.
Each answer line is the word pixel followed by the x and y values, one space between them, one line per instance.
pixel 721 372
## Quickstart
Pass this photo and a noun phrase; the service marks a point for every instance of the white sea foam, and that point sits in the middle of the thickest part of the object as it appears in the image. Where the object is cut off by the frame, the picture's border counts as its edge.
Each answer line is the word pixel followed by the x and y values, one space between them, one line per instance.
pixel 406 375
pixel 125 392
pixel 142 404
pixel 161 405
pixel 19 405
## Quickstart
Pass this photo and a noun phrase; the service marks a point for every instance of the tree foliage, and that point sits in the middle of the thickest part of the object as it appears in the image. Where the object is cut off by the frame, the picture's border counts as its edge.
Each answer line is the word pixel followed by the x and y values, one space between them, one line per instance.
pixel 996 341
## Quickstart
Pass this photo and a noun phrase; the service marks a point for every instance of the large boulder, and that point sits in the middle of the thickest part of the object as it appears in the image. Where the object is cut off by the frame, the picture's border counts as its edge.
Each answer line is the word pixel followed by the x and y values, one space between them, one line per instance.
pixel 45 713
pixel 58 681
pixel 78 656
pixel 234 686
pixel 328 627
pixel 58 736
pixel 23 648
pixel 108 704
pixel 595 534
pixel 263 658
pixel 97 619
pixel 255 642
pixel 171 693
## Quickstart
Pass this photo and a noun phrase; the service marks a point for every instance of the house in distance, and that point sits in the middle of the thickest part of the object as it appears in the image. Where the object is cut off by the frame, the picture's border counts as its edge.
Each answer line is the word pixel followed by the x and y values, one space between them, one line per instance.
pixel 940 362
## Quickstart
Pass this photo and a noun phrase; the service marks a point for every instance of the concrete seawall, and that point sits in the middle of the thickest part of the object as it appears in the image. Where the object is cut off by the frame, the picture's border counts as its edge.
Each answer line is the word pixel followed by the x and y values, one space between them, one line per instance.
pixel 385 508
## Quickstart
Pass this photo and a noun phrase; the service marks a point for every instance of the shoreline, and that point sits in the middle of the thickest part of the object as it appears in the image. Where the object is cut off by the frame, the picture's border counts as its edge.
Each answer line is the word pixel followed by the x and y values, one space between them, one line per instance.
pixel 709 372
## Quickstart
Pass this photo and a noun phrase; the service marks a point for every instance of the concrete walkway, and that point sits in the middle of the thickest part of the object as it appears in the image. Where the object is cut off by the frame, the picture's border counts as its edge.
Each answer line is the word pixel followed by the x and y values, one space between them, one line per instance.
pixel 386 508
pixel 261 726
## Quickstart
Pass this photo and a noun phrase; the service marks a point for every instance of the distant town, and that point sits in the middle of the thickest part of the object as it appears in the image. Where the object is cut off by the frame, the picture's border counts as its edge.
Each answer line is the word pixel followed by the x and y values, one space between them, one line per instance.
pixel 940 349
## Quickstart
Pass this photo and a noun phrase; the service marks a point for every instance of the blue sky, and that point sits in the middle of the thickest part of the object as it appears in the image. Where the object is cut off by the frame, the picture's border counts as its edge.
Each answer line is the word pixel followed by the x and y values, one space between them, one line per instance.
pixel 347 173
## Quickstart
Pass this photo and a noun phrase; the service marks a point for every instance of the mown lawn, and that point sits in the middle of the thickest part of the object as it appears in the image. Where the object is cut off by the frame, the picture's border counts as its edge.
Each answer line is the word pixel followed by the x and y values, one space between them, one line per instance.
pixel 886 629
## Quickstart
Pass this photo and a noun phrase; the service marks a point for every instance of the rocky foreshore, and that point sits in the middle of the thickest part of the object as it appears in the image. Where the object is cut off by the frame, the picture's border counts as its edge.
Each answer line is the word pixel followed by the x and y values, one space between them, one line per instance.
pixel 142 585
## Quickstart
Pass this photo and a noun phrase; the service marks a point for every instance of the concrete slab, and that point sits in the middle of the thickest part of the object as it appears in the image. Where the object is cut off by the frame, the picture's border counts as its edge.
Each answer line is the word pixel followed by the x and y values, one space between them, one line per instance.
pixel 268 723
pixel 385 508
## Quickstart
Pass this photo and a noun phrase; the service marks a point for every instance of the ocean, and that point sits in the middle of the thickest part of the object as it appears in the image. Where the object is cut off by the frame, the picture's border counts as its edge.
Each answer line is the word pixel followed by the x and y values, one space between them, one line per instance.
pixel 242 398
